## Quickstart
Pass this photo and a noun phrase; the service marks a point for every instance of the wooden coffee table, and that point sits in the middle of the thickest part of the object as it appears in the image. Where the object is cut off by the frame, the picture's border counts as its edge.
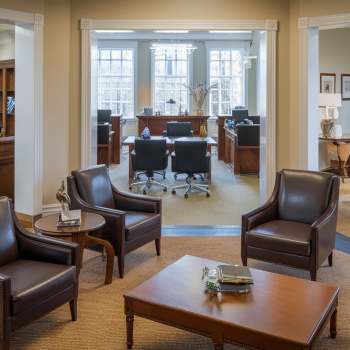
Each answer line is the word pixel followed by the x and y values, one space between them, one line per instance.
pixel 280 312
pixel 79 234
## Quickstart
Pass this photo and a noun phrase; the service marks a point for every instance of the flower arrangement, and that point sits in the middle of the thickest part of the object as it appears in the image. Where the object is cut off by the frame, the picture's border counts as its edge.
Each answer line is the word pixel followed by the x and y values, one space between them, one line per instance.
pixel 199 92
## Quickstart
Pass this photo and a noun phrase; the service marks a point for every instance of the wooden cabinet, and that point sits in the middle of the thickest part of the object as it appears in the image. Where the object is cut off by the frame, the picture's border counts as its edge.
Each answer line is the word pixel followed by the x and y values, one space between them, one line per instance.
pixel 157 124
pixel 7 121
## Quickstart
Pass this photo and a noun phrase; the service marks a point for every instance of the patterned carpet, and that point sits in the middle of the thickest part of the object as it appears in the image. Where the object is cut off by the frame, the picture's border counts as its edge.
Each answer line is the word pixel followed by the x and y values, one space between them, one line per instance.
pixel 101 320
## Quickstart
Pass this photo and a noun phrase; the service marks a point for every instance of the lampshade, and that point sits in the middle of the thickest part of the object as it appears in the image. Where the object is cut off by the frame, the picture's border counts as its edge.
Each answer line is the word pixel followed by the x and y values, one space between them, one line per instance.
pixel 329 100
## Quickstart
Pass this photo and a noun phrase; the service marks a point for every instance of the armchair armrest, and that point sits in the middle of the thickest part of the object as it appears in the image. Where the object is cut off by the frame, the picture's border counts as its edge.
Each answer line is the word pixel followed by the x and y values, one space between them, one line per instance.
pixel 264 213
pixel 5 302
pixel 323 230
pixel 41 248
pixel 134 202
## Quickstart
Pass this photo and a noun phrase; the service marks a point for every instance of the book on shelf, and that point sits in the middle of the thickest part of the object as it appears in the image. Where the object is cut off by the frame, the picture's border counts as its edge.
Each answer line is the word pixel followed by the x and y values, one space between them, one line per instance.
pixel 234 274
pixel 69 218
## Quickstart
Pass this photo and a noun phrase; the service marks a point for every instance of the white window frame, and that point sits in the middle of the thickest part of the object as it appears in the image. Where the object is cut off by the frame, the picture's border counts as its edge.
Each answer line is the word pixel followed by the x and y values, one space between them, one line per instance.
pixel 124 44
pixel 189 72
pixel 242 46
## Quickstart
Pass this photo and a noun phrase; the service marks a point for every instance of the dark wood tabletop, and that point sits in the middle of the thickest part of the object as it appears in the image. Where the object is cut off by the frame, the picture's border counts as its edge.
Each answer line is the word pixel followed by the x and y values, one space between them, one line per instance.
pixel 344 138
pixel 280 311
pixel 89 222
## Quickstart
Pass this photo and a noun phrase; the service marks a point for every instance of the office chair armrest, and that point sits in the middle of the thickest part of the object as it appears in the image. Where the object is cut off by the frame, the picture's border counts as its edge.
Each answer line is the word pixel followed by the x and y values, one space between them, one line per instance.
pixel 134 202
pixel 191 133
pixel 5 303
pixel 164 133
pixel 173 162
pixel 323 230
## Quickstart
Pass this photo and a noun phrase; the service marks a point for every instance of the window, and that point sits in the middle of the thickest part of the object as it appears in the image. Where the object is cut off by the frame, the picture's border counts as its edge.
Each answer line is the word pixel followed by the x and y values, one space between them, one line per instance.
pixel 226 69
pixel 116 81
pixel 171 71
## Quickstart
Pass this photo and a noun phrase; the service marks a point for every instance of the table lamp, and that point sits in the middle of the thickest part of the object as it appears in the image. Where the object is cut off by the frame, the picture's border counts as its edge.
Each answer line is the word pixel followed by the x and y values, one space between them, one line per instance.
pixel 329 101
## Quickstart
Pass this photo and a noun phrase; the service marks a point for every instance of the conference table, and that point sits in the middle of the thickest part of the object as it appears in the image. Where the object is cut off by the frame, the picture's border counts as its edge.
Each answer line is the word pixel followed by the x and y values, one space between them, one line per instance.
pixel 170 141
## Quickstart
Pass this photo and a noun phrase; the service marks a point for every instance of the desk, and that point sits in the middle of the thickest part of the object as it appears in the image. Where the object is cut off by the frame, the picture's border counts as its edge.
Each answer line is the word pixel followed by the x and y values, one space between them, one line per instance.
pixel 79 234
pixel 105 151
pixel 130 141
pixel 157 124
pixel 117 126
pixel 246 159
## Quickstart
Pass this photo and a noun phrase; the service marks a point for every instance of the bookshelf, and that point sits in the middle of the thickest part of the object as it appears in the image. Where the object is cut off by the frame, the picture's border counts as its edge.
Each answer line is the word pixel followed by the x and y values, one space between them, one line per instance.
pixel 7 121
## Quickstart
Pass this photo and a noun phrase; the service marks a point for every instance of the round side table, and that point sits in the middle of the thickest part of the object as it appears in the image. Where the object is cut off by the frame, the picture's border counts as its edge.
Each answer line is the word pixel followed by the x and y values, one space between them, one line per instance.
pixel 79 234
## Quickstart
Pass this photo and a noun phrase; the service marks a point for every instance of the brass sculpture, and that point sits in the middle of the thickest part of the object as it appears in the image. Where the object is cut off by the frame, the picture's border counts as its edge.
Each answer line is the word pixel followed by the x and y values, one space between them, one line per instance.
pixel 63 197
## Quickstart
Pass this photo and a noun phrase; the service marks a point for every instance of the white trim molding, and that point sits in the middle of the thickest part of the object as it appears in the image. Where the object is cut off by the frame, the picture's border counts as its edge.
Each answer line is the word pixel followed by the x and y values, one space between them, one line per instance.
pixel 271 26
pixel 321 22
pixel 38 21
pixel 51 209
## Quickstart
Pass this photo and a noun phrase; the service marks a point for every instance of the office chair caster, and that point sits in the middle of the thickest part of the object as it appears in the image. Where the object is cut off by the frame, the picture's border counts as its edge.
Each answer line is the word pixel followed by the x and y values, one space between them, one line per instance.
pixel 144 192
pixel 186 195
pixel 130 188
pixel 207 195
pixel 175 177
pixel 165 189
pixel 173 192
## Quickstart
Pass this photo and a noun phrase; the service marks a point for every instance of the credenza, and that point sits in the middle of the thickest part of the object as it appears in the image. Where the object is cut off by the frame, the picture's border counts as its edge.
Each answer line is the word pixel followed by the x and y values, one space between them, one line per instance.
pixel 157 124
pixel 7 166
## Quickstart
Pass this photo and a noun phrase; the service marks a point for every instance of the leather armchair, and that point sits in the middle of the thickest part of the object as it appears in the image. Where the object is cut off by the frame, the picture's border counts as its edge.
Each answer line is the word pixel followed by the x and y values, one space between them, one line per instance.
pixel 297 225
pixel 131 220
pixel 191 157
pixel 37 274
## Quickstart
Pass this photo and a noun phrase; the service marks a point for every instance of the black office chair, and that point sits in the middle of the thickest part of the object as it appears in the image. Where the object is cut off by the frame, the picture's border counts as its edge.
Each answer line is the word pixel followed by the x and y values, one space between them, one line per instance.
pixel 149 156
pixel 191 157
pixel 178 129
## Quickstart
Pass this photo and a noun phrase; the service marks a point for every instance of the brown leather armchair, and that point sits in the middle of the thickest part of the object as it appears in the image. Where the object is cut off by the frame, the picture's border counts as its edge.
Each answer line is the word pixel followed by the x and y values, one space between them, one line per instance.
pixel 131 220
pixel 297 225
pixel 37 274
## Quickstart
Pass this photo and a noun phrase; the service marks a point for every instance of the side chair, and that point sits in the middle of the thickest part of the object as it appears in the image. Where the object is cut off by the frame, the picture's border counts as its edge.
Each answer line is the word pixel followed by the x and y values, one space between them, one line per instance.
pixel 37 274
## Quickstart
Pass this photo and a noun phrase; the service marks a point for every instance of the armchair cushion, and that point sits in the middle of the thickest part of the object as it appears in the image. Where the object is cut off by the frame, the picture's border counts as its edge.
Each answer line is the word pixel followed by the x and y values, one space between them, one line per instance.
pixel 94 186
pixel 281 236
pixel 34 281
pixel 137 223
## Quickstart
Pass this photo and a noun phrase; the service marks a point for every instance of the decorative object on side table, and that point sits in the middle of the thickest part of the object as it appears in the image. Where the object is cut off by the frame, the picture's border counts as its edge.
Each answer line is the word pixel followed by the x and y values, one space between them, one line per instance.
pixel 327 83
pixel 345 87
pixel 329 101
pixel 148 110
pixel 202 131
pixel 146 135
pixel 63 197
pixel 199 92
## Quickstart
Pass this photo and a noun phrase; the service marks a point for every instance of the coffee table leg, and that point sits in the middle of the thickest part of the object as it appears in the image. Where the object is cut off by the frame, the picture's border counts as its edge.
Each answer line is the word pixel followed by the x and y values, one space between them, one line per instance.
pixel 333 325
pixel 129 331
pixel 218 341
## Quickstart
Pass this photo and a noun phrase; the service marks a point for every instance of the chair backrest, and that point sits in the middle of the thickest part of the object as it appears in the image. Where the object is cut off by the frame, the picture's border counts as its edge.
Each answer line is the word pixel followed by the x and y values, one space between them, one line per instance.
pixel 174 129
pixel 239 115
pixel 255 119
pixel 150 154
pixel 304 195
pixel 104 115
pixel 94 186
pixel 190 156
pixel 248 135
pixel 8 246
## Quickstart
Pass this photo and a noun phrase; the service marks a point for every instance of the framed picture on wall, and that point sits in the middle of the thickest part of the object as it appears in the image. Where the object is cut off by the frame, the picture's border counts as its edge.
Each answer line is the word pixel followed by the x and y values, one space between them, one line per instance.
pixel 327 83
pixel 345 87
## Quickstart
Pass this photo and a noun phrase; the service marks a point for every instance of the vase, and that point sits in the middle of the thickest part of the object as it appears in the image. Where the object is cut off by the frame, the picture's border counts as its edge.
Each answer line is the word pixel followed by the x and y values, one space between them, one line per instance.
pixel 199 111
pixel 327 125
pixel 202 131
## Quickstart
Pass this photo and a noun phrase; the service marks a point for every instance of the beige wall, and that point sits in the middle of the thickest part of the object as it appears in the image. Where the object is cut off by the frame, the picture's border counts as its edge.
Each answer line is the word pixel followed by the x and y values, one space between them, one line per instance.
pixel 7 51
pixel 58 44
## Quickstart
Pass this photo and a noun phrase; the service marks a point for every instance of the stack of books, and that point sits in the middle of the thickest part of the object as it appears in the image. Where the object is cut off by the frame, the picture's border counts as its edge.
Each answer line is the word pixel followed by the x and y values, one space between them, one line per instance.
pixel 234 278
pixel 69 218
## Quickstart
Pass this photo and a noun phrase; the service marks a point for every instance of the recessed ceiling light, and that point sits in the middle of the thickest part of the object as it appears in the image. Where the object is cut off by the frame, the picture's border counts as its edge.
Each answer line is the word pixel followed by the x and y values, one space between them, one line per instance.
pixel 229 31
pixel 114 31
pixel 170 31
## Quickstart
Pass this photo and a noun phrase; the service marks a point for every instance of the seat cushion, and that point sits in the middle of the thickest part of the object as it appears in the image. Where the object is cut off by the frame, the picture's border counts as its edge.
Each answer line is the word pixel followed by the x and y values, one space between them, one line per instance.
pixel 281 236
pixel 34 281
pixel 138 223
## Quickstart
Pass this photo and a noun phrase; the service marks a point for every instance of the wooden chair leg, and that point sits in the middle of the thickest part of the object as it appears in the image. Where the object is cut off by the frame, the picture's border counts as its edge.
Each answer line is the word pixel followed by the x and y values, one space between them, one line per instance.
pixel 330 259
pixel 73 304
pixel 121 265
pixel 313 273
pixel 158 246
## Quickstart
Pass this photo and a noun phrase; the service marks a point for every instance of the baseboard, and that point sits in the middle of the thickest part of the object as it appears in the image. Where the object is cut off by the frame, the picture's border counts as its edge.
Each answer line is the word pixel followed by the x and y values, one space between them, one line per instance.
pixel 51 209
pixel 28 221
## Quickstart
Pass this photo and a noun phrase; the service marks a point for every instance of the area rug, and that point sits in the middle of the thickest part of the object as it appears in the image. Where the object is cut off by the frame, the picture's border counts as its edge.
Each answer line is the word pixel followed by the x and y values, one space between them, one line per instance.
pixel 101 320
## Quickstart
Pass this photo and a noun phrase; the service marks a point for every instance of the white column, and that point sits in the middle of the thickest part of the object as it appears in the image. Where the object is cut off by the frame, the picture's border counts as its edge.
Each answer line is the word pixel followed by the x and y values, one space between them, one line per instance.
pixel 85 26
pixel 29 116
pixel 271 28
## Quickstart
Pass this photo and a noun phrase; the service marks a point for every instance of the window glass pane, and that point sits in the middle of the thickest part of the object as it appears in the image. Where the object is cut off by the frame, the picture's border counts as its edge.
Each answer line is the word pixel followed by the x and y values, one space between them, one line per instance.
pixel 127 54
pixel 214 55
pixel 160 68
pixel 225 55
pixel 214 68
pixel 225 68
pixel 104 68
pixel 116 68
pixel 215 95
pixel 104 54
pixel 170 67
pixel 182 68
pixel 127 68
pixel 116 55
